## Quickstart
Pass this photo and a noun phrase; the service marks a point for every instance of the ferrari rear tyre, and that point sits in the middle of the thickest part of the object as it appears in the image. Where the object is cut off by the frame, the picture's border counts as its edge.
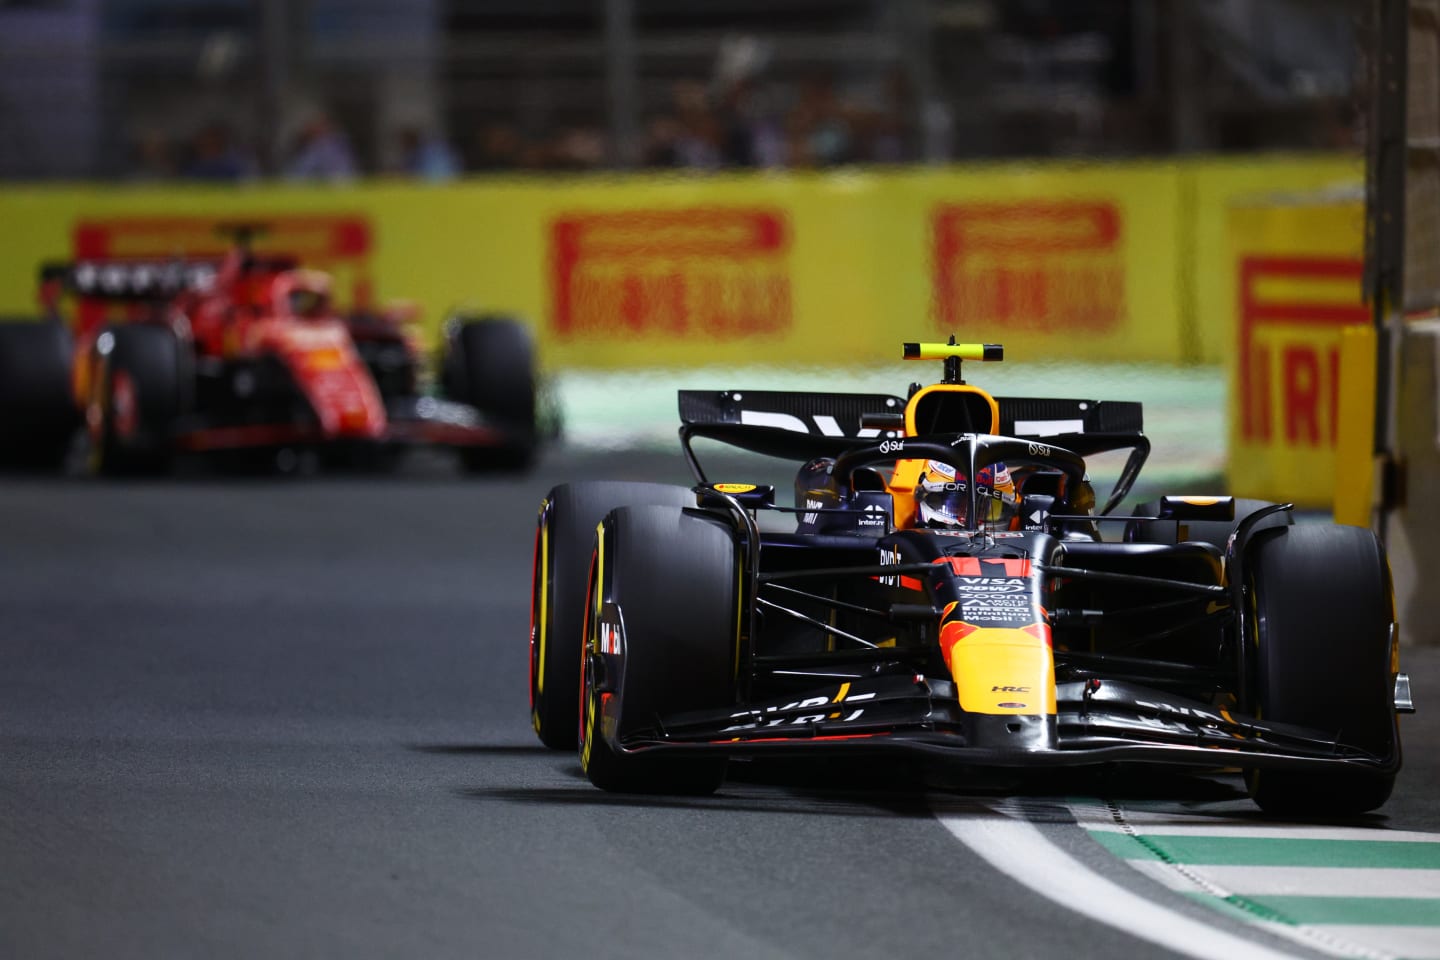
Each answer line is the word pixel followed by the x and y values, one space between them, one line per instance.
pixel 38 415
pixel 1321 645
pixel 492 368
pixel 661 637
pixel 564 537
pixel 138 400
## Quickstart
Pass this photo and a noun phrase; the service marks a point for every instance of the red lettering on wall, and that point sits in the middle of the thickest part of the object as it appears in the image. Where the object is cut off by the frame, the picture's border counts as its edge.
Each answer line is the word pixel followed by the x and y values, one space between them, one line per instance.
pixel 1035 265
pixel 1302 325
pixel 1302 396
pixel 1334 392
pixel 718 273
pixel 1257 398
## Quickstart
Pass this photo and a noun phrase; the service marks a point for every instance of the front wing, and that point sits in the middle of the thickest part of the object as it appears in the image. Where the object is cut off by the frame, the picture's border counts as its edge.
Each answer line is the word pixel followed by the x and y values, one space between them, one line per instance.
pixel 409 421
pixel 1095 724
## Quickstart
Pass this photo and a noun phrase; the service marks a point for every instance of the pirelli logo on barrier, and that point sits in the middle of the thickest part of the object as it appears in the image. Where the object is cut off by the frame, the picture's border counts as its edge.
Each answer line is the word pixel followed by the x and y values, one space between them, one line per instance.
pixel 340 244
pixel 1288 365
pixel 716 272
pixel 1041 266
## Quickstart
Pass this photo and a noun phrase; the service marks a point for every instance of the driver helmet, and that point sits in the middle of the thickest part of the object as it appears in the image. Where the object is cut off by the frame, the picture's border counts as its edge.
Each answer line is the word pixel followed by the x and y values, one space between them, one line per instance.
pixel 943 495
pixel 304 293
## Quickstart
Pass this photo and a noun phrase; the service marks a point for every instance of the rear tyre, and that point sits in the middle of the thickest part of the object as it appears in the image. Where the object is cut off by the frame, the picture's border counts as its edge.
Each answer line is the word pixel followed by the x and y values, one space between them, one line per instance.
pixel 492 367
pixel 38 415
pixel 665 581
pixel 564 536
pixel 1322 609
pixel 1213 532
pixel 138 399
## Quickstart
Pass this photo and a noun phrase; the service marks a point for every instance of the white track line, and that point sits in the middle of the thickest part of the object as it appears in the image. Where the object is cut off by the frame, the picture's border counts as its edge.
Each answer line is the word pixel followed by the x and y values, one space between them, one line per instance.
pixel 1017 848
pixel 1413 943
pixel 1249 880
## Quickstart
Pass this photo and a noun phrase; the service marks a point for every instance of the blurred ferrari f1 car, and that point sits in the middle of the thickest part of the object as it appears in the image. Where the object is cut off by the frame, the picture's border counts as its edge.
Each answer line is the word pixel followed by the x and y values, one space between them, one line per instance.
pixel 944 587
pixel 249 353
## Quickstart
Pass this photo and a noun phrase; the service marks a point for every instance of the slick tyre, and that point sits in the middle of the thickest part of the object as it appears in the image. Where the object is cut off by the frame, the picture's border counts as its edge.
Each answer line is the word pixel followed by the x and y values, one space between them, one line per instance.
pixel 138 385
pixel 660 638
pixel 1320 646
pixel 492 368
pixel 1213 532
pixel 38 416
pixel 564 535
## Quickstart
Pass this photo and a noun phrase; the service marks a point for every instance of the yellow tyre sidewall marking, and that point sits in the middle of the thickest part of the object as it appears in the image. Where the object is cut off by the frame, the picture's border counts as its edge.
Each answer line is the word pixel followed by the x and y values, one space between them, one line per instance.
pixel 589 647
pixel 543 626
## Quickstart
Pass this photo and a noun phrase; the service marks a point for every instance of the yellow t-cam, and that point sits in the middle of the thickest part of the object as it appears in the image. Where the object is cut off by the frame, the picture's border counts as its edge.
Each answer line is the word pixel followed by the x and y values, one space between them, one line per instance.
pixel 950 406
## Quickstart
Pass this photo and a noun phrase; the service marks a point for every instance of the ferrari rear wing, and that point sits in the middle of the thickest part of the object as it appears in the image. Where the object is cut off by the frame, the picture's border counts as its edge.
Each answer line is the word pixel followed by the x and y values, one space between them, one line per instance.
pixel 145 280
pixel 128 281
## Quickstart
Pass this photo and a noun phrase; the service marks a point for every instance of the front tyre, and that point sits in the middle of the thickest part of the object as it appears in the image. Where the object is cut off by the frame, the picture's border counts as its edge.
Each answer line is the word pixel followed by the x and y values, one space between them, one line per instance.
pixel 661 637
pixel 564 534
pixel 491 366
pixel 1323 655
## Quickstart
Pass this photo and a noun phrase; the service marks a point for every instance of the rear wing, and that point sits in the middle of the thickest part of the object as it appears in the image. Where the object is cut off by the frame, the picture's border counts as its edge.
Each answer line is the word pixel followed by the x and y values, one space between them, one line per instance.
pixel 1087 427
pixel 789 425
pixel 135 280
pixel 127 281
pixel 801 426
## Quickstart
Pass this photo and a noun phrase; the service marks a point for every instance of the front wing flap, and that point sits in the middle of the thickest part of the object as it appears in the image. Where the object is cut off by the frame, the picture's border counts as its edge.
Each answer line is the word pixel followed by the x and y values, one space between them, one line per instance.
pixel 1114 722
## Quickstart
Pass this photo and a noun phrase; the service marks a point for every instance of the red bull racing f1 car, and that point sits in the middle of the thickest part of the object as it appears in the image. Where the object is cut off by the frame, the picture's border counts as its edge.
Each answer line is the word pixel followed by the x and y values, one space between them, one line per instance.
pixel 946 587
pixel 249 353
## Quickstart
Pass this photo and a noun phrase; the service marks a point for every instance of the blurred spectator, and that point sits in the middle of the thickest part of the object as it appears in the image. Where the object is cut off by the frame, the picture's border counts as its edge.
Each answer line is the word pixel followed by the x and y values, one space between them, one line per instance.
pixel 321 152
pixel 885 132
pixel 152 158
pixel 752 134
pixel 498 146
pixel 697 143
pixel 427 155
pixel 580 148
pixel 821 133
pixel 661 138
pixel 214 155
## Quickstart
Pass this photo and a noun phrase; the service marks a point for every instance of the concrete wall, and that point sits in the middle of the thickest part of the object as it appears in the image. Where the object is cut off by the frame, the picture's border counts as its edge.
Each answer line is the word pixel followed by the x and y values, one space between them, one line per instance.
pixel 1412 532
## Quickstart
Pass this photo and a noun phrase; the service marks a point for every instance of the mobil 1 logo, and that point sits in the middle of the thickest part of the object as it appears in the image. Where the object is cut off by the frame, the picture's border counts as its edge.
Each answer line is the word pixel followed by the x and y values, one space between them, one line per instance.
pixel 996 601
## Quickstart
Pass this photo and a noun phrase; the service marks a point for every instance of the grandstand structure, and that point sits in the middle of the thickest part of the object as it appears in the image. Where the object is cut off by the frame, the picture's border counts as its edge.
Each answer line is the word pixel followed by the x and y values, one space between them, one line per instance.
pixel 94 88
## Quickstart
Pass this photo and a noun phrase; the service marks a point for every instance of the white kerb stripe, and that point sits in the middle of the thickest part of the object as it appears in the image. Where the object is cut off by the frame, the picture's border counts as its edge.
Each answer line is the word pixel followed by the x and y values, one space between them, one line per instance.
pixel 1256 881
pixel 1018 849
pixel 1234 829
pixel 1412 943
pixel 1169 822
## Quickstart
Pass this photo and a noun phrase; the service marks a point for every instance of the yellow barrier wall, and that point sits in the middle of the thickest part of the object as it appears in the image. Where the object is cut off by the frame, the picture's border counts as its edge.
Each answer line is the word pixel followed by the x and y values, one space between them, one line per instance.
pixel 1297 275
pixel 1209 189
pixel 1115 261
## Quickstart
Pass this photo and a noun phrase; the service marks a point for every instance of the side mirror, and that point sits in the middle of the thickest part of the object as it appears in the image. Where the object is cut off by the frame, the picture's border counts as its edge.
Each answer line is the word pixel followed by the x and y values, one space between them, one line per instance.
pixel 1197 508
pixel 751 496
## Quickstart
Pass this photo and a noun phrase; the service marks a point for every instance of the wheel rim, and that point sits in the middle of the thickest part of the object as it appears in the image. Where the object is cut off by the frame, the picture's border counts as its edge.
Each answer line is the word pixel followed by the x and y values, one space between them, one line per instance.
pixel 124 405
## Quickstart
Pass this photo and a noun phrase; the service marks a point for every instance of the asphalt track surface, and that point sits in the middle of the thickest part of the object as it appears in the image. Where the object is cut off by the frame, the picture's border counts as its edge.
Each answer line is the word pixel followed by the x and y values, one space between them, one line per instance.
pixel 245 717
